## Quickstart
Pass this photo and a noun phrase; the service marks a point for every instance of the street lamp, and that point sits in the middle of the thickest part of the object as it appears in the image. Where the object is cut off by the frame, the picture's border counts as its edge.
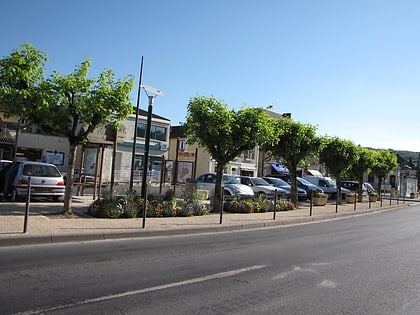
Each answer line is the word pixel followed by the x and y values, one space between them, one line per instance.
pixel 151 95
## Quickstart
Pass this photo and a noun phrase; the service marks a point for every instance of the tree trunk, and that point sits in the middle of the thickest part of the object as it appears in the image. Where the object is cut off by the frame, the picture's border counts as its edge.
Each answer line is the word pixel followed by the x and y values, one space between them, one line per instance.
pixel 360 190
pixel 68 194
pixel 380 187
pixel 293 182
pixel 338 189
pixel 217 200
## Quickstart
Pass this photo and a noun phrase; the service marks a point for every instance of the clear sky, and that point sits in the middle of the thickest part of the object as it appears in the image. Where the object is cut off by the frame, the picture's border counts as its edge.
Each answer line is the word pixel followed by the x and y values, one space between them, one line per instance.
pixel 351 68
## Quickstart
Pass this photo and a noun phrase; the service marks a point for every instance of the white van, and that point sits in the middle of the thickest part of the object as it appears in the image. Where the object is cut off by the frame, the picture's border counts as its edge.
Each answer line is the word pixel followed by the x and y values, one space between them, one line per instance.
pixel 328 185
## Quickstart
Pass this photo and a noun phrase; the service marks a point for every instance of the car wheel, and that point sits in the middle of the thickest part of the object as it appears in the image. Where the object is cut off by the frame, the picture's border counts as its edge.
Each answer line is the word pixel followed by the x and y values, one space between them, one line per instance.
pixel 333 195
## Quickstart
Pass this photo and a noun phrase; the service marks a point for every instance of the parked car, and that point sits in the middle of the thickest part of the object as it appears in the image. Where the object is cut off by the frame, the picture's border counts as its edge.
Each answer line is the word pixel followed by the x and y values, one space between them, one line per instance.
pixel 327 185
pixel 231 185
pixel 308 187
pixel 354 186
pixel 46 181
pixel 301 183
pixel 370 187
pixel 281 184
pixel 4 163
pixel 260 186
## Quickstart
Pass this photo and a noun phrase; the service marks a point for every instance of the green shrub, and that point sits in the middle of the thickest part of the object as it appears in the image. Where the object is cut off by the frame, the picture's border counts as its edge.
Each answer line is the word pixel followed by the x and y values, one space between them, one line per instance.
pixel 111 207
pixel 132 205
pixel 256 205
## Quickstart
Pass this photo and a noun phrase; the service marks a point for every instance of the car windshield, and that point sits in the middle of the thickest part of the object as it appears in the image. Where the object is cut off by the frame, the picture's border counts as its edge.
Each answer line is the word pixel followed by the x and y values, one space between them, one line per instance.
pixel 260 182
pixel 331 183
pixel 277 182
pixel 228 179
pixel 304 181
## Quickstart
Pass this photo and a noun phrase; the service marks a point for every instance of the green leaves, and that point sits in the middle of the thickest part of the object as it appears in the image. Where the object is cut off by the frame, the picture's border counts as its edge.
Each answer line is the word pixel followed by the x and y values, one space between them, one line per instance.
pixel 71 105
pixel 225 133
pixel 338 155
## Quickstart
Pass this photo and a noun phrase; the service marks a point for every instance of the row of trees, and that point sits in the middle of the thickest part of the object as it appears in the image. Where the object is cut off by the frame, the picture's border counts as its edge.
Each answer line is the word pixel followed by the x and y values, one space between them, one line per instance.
pixel 227 133
pixel 72 106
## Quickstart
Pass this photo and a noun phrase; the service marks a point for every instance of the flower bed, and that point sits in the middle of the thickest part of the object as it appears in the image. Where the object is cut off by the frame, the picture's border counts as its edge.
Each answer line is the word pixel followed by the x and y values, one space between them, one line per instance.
pixel 256 205
pixel 132 206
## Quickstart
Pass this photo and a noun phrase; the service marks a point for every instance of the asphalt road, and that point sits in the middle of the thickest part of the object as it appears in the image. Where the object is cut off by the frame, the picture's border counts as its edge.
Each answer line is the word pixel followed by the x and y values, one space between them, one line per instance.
pixel 359 265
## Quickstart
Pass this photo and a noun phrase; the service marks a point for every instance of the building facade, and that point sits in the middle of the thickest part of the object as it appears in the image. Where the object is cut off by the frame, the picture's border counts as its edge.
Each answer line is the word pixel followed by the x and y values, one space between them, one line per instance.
pixel 96 157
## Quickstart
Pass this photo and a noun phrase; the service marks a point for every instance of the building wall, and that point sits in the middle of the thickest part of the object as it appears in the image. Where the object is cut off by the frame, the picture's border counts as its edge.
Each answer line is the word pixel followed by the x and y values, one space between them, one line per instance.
pixel 42 144
pixel 45 144
pixel 205 163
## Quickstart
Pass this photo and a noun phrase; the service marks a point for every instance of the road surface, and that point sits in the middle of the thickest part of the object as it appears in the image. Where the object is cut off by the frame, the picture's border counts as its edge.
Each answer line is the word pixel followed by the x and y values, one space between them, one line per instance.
pixel 361 265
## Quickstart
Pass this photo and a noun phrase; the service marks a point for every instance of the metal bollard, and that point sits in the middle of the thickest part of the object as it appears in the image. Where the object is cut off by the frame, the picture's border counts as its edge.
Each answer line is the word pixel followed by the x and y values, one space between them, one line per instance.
pixel 28 201
pixel 275 204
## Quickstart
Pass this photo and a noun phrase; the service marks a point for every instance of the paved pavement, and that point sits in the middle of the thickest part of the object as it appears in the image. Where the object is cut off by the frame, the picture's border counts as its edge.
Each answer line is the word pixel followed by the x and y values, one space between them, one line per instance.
pixel 45 224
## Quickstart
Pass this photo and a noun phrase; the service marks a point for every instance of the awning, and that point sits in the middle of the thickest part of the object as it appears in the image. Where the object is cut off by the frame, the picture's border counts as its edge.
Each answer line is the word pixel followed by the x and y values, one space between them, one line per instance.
pixel 315 173
pixel 6 138
pixel 279 168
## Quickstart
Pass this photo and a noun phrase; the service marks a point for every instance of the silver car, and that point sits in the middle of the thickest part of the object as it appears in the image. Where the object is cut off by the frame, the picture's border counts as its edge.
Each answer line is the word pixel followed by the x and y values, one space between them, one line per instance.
pixel 261 187
pixel 46 181
pixel 231 185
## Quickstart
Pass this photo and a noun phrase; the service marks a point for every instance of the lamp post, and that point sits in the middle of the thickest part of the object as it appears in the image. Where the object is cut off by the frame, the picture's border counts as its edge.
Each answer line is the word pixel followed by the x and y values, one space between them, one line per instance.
pixel 133 155
pixel 151 95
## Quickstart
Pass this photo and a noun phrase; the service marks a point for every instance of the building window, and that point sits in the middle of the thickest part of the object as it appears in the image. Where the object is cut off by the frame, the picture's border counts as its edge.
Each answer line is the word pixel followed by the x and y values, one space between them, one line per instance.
pixel 249 155
pixel 156 132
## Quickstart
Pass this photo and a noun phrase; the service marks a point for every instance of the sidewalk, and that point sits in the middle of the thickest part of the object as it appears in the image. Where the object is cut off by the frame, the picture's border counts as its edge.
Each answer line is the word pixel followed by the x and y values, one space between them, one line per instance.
pixel 47 225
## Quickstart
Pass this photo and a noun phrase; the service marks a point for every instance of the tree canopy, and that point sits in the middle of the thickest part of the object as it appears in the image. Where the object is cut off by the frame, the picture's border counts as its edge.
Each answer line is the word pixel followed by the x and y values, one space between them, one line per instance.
pixel 384 162
pixel 70 106
pixel 294 141
pixel 223 132
pixel 338 155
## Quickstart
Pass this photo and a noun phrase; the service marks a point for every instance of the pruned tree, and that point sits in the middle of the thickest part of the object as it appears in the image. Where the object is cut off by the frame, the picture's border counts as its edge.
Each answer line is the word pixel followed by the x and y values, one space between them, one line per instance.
pixel 70 106
pixel 224 133
pixel 293 142
pixel 338 155
pixel 363 164
pixel 384 163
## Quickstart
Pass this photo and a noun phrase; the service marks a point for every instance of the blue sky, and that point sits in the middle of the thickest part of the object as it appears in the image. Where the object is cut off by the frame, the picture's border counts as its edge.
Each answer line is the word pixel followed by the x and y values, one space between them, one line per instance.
pixel 351 68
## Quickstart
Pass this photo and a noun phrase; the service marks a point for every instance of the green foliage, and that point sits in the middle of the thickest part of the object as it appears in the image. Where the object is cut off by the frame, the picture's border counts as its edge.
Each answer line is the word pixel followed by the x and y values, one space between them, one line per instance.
pixel 257 205
pixel 294 141
pixel 363 164
pixel 384 163
pixel 21 74
pixel 60 105
pixel 224 133
pixel 70 106
pixel 338 155
pixel 112 207
pixel 132 205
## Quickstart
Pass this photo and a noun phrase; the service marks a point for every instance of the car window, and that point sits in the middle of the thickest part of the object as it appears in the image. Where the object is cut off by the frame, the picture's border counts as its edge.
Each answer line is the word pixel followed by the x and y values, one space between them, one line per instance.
pixel 210 178
pixel 330 183
pixel 281 182
pixel 228 179
pixel 40 170
pixel 260 182
pixel 304 181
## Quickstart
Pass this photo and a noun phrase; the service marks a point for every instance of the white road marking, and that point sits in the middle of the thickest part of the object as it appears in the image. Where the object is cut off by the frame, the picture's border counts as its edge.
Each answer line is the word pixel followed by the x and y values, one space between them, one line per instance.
pixel 145 290
pixel 297 269
pixel 327 284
